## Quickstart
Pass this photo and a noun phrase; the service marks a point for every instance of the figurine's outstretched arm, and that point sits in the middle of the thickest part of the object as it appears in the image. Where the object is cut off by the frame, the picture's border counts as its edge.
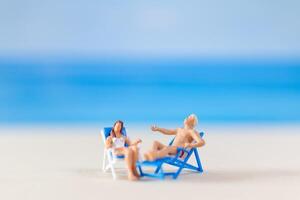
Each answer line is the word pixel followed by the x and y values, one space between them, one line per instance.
pixel 132 143
pixel 164 131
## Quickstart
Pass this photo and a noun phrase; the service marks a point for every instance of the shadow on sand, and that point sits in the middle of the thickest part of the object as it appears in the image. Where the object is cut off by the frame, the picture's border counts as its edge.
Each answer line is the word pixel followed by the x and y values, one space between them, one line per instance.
pixel 211 176
pixel 225 176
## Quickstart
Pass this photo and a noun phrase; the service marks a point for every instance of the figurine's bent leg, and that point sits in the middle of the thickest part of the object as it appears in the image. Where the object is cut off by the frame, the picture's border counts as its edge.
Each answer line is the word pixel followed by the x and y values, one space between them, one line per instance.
pixel 157 146
pixel 168 150
pixel 135 159
pixel 129 159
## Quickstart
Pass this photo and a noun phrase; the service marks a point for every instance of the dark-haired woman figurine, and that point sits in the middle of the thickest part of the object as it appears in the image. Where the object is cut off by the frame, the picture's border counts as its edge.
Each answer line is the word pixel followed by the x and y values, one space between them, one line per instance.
pixel 117 142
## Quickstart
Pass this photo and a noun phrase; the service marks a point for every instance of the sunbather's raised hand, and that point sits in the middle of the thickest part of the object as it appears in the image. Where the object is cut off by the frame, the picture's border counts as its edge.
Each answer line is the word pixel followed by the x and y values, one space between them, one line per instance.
pixel 154 128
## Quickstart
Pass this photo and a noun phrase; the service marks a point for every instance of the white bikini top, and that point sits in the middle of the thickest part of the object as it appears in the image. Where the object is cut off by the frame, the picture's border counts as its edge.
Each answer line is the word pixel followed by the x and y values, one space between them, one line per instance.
pixel 118 142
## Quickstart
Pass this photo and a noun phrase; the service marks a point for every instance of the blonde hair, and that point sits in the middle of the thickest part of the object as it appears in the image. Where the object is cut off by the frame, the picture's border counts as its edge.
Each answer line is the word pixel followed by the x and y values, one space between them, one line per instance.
pixel 195 119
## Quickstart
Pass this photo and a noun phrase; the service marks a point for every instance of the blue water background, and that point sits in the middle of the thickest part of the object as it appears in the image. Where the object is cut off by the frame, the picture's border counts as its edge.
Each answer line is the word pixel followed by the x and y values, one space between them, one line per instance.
pixel 76 89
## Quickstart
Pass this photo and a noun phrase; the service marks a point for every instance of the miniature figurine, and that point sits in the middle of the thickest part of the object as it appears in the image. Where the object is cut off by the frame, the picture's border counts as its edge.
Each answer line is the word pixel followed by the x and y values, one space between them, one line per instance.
pixel 118 142
pixel 184 137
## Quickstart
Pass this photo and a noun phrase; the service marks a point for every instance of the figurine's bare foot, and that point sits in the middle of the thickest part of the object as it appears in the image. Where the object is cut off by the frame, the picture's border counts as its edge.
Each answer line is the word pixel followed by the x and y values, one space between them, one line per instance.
pixel 132 177
pixel 135 172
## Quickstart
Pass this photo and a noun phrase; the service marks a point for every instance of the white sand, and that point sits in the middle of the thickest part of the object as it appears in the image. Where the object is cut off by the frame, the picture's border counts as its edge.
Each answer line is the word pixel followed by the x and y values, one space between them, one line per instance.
pixel 245 162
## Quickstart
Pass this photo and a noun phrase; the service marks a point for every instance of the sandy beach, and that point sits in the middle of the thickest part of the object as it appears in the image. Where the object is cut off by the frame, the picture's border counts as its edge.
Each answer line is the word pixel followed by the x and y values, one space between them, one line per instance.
pixel 240 162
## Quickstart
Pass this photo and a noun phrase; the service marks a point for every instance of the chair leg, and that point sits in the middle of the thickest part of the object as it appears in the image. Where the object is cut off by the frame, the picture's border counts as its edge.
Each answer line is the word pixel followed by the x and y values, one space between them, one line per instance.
pixel 110 164
pixel 113 172
pixel 200 169
pixel 177 173
pixel 157 169
pixel 104 161
pixel 181 165
pixel 107 167
pixel 141 171
pixel 162 173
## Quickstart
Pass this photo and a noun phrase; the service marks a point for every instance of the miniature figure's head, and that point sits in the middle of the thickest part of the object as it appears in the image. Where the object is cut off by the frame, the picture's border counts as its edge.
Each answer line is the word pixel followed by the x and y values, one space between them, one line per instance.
pixel 117 128
pixel 191 121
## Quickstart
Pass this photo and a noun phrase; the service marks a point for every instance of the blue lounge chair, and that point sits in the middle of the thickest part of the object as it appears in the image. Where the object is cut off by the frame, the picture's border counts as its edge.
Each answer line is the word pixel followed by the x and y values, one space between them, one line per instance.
pixel 109 158
pixel 180 161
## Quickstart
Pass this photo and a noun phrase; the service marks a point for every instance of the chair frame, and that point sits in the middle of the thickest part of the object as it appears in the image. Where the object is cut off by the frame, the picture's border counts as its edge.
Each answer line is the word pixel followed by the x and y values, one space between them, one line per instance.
pixel 173 161
pixel 109 159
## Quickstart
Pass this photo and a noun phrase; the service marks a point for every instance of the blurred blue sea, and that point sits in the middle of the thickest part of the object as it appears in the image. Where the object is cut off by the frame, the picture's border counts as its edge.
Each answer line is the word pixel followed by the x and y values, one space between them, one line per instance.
pixel 91 90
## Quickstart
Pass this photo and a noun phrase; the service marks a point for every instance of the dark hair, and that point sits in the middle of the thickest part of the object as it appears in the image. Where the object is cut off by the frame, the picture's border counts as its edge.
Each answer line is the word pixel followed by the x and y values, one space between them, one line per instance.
pixel 112 132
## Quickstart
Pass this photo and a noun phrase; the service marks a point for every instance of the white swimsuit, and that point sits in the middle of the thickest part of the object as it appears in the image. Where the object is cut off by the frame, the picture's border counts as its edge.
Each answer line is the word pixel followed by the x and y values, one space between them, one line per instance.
pixel 118 142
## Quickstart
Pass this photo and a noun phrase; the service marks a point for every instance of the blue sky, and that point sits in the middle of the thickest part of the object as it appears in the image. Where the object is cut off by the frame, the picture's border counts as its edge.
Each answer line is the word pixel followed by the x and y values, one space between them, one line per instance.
pixel 97 27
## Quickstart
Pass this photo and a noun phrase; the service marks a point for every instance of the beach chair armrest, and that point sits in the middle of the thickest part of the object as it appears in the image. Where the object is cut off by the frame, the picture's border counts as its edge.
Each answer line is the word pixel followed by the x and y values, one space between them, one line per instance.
pixel 109 150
